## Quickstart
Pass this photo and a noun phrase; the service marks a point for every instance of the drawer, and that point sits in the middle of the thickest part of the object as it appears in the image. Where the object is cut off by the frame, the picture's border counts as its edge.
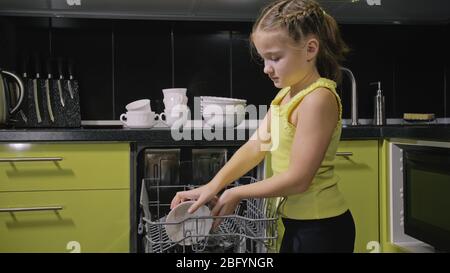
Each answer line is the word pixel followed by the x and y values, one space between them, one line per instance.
pixel 70 166
pixel 65 221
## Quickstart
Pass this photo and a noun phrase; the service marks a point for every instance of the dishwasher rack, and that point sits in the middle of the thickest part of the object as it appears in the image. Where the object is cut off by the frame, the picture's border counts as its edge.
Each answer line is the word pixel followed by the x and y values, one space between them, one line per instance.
pixel 250 229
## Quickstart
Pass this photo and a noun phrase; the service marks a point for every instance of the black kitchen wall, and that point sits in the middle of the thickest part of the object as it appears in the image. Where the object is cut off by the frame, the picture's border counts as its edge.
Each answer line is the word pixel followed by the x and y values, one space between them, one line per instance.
pixel 118 61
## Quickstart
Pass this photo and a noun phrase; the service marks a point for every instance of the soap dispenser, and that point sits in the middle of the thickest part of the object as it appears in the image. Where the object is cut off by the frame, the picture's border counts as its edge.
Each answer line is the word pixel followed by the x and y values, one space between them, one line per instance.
pixel 379 117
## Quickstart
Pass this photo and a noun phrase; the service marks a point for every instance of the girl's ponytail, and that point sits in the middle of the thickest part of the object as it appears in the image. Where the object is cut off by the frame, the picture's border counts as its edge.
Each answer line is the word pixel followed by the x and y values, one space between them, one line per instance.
pixel 333 50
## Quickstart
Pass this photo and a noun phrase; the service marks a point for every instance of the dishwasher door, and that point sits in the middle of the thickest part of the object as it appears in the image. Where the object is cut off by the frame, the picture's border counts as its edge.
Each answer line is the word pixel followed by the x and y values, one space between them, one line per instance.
pixel 162 168
pixel 206 163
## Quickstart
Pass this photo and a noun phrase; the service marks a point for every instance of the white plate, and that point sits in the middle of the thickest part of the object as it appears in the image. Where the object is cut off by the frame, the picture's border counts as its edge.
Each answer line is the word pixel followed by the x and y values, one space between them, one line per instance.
pixel 221 99
pixel 188 224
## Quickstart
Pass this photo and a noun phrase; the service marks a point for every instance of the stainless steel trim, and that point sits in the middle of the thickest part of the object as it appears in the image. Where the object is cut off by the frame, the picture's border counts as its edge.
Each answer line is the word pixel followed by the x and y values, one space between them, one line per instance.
pixel 30 209
pixel 30 159
pixel 354 110
pixel 344 154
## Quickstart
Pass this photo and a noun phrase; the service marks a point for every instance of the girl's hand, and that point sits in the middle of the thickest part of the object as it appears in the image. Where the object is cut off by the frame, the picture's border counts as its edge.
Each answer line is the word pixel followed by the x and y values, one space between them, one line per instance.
pixel 202 195
pixel 225 205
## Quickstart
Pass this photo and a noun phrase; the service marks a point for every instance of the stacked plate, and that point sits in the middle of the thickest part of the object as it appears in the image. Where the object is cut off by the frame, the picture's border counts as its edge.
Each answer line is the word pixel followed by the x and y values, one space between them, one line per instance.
pixel 222 112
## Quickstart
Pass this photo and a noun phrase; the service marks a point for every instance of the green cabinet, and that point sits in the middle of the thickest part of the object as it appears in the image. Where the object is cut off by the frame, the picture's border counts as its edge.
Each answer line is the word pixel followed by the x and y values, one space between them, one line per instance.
pixel 357 166
pixel 65 221
pixel 71 197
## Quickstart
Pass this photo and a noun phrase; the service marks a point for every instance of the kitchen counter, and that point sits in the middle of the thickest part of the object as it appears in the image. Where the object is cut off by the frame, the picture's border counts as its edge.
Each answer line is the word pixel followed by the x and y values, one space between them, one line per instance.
pixel 163 136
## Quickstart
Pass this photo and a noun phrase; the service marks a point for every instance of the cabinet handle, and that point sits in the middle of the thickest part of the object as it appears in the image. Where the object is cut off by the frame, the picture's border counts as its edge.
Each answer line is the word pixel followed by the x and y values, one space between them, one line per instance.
pixel 30 209
pixel 30 159
pixel 344 154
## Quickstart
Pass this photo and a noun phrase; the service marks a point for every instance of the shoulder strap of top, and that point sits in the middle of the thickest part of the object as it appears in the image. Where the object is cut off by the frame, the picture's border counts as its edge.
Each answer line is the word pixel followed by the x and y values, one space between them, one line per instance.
pixel 279 97
pixel 321 82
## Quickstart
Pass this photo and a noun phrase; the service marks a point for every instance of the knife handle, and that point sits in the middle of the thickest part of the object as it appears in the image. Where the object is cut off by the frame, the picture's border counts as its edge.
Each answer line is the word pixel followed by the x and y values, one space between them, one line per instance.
pixel 71 69
pixel 60 68
pixel 24 66
pixel 49 68
pixel 37 66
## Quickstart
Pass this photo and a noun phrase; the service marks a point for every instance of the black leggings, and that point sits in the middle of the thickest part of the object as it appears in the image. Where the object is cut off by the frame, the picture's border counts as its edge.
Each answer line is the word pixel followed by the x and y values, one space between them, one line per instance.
pixel 335 234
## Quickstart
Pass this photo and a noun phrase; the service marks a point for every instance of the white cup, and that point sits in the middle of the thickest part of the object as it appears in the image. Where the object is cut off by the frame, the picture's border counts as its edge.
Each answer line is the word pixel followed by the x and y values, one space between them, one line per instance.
pixel 139 105
pixel 180 91
pixel 177 94
pixel 176 116
pixel 139 119
pixel 173 99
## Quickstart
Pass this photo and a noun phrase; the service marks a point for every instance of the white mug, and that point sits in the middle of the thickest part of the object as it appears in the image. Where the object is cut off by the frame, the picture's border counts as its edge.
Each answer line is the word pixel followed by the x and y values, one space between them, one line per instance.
pixel 139 105
pixel 139 119
pixel 176 116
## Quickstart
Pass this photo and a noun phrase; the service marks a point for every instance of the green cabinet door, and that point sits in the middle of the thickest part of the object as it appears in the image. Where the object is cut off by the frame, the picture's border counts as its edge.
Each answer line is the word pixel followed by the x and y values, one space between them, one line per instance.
pixel 65 221
pixel 64 166
pixel 357 167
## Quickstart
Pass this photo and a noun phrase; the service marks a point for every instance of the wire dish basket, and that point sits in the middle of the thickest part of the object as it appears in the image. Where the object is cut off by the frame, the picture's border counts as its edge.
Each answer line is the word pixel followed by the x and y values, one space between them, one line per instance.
pixel 250 229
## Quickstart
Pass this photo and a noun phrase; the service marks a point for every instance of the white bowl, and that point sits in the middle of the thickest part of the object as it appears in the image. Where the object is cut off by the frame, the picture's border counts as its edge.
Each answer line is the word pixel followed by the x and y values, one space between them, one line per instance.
pixel 229 109
pixel 139 105
pixel 188 228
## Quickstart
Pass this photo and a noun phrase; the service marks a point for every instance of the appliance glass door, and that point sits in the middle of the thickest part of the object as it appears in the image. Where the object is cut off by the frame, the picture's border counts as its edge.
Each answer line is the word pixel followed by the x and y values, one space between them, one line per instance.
pixel 427 192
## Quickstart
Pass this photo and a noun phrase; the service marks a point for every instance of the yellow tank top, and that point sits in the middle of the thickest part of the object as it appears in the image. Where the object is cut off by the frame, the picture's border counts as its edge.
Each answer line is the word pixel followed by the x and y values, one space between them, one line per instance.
pixel 322 199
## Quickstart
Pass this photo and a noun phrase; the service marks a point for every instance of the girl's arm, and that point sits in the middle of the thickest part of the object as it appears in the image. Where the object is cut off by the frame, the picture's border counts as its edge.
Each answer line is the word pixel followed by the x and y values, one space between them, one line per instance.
pixel 317 119
pixel 246 158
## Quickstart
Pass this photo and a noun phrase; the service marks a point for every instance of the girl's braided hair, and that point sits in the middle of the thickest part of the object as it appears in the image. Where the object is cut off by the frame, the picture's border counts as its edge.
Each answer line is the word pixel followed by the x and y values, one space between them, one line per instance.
pixel 303 17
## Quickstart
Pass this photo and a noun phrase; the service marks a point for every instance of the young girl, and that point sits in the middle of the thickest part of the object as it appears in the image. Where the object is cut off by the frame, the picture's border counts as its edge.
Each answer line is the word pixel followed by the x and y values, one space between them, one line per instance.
pixel 301 48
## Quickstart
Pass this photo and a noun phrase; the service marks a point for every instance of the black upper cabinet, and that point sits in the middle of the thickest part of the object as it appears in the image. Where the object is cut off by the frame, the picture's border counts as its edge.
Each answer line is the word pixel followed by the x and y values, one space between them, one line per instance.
pixel 23 39
pixel 88 44
pixel 142 62
pixel 202 60
pixel 345 11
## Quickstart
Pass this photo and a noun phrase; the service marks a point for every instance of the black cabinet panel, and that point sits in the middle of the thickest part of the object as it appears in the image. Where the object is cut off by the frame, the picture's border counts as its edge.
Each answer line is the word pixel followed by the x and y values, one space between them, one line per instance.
pixel 419 72
pixel 371 60
pixel 89 44
pixel 23 39
pixel 202 59
pixel 447 72
pixel 142 62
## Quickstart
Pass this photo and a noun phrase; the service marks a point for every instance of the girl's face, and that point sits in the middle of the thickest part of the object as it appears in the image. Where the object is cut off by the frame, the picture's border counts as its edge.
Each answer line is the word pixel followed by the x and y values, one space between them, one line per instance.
pixel 284 61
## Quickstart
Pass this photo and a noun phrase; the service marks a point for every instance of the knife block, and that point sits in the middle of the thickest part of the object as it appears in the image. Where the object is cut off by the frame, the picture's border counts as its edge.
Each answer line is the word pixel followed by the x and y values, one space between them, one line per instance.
pixel 67 116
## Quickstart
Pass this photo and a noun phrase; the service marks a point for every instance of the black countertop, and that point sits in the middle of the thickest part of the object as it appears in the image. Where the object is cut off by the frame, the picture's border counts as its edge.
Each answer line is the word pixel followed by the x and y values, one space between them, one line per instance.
pixel 164 136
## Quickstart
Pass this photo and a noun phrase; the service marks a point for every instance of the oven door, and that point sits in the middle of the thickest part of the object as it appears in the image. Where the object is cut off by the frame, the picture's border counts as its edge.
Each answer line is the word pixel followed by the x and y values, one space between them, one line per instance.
pixel 426 184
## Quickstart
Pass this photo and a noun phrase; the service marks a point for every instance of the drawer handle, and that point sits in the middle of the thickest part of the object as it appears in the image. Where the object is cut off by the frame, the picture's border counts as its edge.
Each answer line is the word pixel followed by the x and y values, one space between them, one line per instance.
pixel 30 159
pixel 344 154
pixel 31 209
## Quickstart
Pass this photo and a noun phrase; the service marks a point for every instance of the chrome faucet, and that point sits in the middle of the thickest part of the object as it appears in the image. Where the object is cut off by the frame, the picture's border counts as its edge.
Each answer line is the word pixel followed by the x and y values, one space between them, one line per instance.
pixel 354 111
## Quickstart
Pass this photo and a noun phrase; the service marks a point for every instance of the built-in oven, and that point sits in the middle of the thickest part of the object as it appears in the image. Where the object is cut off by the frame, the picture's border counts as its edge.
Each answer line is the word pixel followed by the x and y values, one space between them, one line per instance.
pixel 162 171
pixel 420 195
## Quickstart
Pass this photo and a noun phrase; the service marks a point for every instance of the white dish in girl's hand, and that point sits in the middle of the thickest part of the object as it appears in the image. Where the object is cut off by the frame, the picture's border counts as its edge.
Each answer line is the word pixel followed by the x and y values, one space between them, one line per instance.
pixel 188 228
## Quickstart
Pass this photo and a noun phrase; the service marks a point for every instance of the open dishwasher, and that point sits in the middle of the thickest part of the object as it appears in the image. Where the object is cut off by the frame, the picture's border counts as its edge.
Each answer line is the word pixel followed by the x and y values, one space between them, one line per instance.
pixel 250 229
